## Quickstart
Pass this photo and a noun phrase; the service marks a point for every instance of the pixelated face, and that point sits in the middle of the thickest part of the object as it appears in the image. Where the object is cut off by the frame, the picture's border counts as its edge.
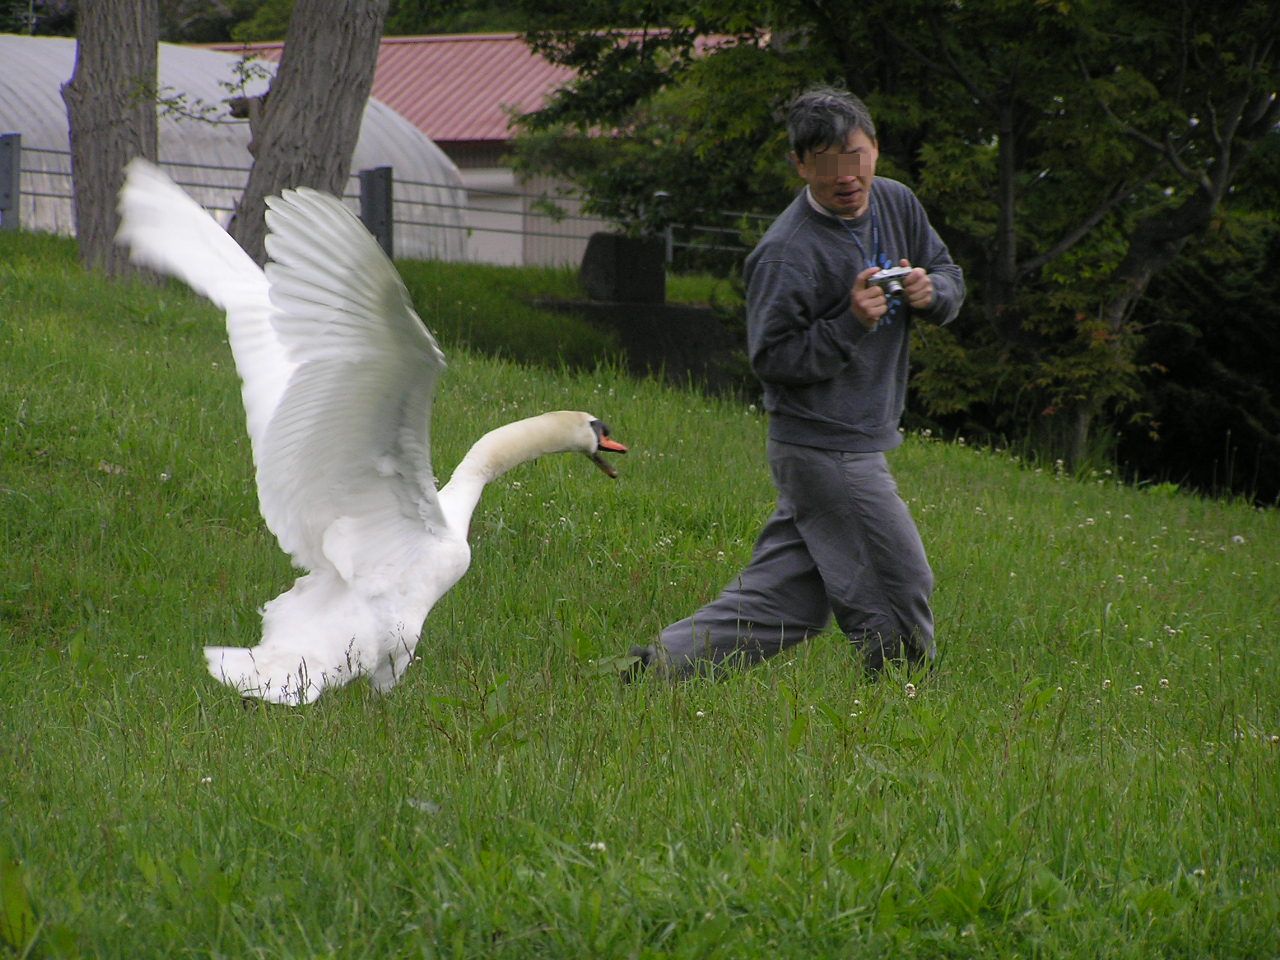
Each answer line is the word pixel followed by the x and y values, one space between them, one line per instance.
pixel 840 177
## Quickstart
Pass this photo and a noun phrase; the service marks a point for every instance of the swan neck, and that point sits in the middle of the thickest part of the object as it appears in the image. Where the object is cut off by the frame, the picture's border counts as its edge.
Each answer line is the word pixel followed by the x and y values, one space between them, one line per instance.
pixel 495 453
pixel 508 446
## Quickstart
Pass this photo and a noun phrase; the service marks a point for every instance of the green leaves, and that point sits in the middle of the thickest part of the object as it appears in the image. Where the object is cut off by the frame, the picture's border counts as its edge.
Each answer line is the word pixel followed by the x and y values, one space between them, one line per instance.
pixel 1055 145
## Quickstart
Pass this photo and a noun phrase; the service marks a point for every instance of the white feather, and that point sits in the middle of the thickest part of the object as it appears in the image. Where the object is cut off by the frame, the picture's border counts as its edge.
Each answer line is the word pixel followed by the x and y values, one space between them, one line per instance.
pixel 338 377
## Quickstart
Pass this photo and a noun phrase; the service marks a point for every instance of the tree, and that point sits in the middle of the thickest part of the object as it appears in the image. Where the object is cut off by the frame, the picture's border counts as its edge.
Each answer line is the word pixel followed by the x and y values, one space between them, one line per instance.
pixel 692 135
pixel 110 102
pixel 1214 348
pixel 44 17
pixel 269 19
pixel 1067 151
pixel 202 21
pixel 1118 129
pixel 304 130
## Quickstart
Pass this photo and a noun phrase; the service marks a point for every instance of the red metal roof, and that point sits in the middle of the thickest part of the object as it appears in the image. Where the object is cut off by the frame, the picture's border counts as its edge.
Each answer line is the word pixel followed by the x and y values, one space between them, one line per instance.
pixel 454 88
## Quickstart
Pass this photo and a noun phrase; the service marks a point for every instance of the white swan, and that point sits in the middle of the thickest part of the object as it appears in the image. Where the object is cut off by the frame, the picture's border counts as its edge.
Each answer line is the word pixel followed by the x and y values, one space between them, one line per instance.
pixel 338 374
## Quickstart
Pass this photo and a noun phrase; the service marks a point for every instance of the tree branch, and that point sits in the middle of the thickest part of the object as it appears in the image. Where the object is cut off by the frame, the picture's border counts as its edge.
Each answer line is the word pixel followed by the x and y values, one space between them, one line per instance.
pixel 966 81
pixel 951 66
pixel 1122 192
pixel 1167 149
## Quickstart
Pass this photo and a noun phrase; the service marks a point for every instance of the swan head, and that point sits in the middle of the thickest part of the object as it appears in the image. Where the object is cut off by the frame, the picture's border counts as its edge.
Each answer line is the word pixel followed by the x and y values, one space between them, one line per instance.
pixel 571 431
pixel 600 441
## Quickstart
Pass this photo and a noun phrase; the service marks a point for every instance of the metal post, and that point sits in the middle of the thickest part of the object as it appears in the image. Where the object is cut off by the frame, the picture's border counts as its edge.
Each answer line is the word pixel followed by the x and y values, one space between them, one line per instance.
pixel 10 195
pixel 375 206
pixel 668 234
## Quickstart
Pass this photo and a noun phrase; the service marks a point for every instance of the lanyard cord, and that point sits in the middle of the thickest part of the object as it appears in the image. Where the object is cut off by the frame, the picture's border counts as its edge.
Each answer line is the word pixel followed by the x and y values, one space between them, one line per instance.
pixel 881 261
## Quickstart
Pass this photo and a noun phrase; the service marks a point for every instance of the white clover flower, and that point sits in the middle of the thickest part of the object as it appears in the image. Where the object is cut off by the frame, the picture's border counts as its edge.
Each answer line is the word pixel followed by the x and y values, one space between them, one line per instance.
pixel 1106 684
pixel 910 691
pixel 597 847
pixel 1237 539
pixel 1164 683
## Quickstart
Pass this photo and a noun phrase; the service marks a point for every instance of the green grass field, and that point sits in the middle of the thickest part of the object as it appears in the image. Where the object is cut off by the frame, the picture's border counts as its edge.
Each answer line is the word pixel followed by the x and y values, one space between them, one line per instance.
pixel 1094 771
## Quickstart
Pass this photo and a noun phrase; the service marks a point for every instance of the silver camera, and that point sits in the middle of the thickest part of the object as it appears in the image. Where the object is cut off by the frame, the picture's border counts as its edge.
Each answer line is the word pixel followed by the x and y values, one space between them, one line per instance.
pixel 889 280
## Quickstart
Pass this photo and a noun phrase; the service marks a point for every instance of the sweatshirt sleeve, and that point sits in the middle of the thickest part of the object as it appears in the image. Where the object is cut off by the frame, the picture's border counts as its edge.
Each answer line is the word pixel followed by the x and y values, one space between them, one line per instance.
pixel 931 253
pixel 786 342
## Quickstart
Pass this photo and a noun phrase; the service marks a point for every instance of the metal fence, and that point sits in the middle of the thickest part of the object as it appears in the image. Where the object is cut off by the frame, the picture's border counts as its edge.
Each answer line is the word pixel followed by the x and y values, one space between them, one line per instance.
pixel 428 220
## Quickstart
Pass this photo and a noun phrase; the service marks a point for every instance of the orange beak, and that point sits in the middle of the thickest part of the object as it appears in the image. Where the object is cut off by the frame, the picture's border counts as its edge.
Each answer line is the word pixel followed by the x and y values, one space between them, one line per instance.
pixel 613 446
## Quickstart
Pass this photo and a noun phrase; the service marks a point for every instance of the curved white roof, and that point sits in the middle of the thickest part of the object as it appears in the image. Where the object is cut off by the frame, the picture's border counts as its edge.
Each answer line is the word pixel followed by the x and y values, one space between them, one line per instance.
pixel 212 159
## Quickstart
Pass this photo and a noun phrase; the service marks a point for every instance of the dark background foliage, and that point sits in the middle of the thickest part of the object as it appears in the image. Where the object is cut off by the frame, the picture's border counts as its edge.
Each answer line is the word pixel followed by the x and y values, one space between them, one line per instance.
pixel 1120 311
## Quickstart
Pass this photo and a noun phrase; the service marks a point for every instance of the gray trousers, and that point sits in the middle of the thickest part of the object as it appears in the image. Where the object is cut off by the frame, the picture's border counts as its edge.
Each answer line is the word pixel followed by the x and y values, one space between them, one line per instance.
pixel 841 540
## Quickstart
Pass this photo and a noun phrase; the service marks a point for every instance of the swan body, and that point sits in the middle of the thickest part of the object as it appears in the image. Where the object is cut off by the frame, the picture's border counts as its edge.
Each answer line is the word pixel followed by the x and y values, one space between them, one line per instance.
pixel 338 375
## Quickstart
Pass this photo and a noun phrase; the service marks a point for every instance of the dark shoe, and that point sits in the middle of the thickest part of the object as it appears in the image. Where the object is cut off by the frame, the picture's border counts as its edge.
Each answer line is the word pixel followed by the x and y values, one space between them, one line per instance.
pixel 877 658
pixel 635 670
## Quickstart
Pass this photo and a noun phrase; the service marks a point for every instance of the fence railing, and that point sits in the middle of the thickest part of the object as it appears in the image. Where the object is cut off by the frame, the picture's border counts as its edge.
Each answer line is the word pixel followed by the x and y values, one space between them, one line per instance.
pixel 415 218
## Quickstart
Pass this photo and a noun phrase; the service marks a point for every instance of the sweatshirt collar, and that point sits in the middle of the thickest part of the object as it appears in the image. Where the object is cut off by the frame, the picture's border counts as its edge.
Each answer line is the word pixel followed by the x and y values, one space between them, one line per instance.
pixel 820 209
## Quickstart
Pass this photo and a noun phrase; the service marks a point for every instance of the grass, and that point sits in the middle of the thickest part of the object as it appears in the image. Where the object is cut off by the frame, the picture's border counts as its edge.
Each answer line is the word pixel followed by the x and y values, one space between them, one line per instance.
pixel 475 307
pixel 1094 770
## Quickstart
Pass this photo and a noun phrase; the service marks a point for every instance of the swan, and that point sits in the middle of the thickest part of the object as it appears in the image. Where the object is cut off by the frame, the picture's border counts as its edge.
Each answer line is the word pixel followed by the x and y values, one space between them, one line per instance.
pixel 337 378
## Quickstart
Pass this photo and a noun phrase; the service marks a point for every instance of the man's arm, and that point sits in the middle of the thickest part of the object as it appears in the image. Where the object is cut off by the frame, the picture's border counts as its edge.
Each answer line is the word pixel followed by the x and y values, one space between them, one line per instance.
pixel 945 279
pixel 785 342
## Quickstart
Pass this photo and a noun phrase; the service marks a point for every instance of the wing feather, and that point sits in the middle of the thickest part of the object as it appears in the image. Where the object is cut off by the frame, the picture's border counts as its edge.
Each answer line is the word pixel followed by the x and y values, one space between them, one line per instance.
pixel 168 231
pixel 350 439
pixel 338 372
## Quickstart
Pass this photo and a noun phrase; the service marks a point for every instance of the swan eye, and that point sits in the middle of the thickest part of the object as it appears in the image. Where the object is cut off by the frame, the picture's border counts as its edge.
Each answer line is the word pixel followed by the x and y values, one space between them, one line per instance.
pixel 603 442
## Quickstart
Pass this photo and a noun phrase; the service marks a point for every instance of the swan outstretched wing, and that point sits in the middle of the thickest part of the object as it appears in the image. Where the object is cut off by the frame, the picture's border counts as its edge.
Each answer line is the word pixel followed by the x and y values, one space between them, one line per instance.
pixel 344 475
pixel 168 231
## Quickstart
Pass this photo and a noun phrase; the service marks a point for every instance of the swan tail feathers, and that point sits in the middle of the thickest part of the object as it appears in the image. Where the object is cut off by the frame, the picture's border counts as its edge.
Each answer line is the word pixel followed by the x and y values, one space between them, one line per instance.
pixel 272 677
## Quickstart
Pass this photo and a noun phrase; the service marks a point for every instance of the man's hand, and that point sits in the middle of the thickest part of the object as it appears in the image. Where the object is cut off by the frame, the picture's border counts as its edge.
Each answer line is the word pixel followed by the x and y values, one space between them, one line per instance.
pixel 868 303
pixel 917 287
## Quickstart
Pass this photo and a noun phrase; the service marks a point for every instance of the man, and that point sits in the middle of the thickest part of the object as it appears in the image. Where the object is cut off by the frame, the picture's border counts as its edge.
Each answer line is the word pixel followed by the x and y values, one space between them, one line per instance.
pixel 831 349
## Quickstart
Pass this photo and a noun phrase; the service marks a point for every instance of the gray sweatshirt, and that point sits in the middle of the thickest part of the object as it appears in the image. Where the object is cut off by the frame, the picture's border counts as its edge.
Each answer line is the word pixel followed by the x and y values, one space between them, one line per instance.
pixel 828 381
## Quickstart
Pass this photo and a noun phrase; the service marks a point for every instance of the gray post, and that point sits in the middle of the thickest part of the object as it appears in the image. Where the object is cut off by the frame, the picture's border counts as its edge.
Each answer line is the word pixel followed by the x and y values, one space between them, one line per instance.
pixel 375 206
pixel 10 196
pixel 668 233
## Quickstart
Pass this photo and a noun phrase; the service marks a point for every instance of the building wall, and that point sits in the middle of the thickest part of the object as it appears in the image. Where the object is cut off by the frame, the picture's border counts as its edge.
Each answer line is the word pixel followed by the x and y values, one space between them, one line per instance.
pixel 508 216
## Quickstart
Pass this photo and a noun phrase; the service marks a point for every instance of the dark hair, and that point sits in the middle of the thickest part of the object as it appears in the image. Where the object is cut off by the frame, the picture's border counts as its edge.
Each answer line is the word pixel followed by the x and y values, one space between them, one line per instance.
pixel 825 116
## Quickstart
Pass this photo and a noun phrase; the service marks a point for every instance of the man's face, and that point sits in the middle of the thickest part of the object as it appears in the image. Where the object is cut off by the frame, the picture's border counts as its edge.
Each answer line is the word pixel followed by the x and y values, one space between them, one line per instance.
pixel 840 177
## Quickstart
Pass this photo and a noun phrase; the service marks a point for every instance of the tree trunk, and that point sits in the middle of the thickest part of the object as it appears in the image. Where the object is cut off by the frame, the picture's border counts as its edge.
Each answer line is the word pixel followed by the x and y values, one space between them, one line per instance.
pixel 1005 267
pixel 306 132
pixel 1154 244
pixel 111 108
